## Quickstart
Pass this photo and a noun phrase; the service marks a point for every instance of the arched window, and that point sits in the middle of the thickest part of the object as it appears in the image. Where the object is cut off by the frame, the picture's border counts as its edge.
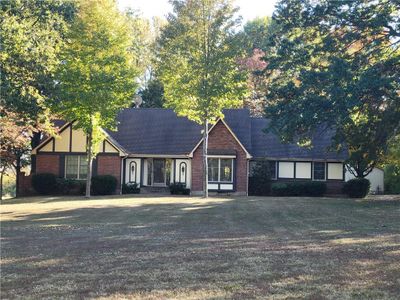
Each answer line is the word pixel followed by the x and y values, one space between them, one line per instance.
pixel 182 172
pixel 132 171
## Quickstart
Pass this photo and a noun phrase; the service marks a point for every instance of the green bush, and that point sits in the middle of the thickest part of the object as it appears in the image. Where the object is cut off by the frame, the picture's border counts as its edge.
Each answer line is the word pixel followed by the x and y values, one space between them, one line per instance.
pixel 357 187
pixel 392 179
pixel 309 188
pixel 179 189
pixel 70 186
pixel 104 184
pixel 130 188
pixel 44 183
pixel 260 179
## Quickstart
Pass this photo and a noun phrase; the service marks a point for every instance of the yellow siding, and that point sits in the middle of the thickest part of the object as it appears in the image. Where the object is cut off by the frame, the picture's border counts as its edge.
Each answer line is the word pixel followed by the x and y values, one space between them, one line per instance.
pixel 48 147
pixel 62 141
pixel 109 148
pixel 78 141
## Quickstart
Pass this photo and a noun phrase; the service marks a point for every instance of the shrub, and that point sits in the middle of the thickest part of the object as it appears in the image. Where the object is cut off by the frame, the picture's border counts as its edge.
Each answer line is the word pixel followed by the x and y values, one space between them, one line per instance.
pixel 179 189
pixel 357 187
pixel 44 183
pixel 130 188
pixel 260 179
pixel 309 188
pixel 70 186
pixel 104 184
pixel 392 179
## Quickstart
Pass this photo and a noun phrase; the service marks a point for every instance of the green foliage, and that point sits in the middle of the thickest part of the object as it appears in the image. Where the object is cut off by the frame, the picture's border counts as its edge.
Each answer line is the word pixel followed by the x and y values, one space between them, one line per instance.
pixel 335 65
pixel 67 186
pixel 97 76
pixel 260 179
pixel 32 34
pixel 153 95
pixel 357 187
pixel 130 188
pixel 392 179
pixel 179 189
pixel 104 185
pixel 44 183
pixel 257 34
pixel 197 56
pixel 309 188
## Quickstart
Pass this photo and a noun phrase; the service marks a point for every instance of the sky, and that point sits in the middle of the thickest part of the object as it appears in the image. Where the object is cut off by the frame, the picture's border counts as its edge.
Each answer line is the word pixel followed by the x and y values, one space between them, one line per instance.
pixel 249 9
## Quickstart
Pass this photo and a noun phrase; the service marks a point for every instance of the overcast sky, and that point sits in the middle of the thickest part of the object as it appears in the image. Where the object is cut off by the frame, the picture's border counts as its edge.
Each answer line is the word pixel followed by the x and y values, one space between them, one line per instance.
pixel 249 9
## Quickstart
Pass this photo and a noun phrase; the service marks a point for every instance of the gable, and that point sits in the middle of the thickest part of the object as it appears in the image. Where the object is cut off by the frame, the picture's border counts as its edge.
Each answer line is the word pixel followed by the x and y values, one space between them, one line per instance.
pixel 74 140
pixel 219 129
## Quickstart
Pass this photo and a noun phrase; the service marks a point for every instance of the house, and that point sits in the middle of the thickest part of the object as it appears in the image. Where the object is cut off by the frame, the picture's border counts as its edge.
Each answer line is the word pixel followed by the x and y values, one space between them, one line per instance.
pixel 155 147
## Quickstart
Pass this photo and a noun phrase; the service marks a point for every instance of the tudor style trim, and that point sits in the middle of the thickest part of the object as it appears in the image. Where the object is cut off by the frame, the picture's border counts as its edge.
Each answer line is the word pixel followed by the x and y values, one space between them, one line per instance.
pixel 248 155
pixel 108 138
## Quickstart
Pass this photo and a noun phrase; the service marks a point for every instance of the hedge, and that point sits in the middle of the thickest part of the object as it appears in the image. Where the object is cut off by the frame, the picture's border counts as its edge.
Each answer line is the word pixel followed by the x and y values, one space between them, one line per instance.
pixel 357 187
pixel 44 183
pixel 104 185
pixel 179 189
pixel 130 188
pixel 311 188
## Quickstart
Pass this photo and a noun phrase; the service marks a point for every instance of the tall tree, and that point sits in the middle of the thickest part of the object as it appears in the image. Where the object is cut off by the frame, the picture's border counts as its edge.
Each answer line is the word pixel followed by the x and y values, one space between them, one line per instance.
pixel 31 36
pixel 198 63
pixel 98 74
pixel 153 94
pixel 336 65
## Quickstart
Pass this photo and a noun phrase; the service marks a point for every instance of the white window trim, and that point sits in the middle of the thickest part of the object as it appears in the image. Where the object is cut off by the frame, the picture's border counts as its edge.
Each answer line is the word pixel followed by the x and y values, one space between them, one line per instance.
pixel 219 169
pixel 325 175
pixel 79 164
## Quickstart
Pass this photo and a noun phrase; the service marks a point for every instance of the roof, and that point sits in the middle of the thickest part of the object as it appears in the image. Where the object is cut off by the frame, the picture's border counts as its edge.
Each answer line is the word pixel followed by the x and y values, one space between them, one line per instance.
pixel 269 145
pixel 161 132
pixel 157 131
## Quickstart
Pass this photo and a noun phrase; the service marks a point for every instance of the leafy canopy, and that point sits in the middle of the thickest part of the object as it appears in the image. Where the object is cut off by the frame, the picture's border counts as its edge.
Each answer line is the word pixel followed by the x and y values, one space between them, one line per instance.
pixel 335 65
pixel 197 55
pixel 32 34
pixel 97 76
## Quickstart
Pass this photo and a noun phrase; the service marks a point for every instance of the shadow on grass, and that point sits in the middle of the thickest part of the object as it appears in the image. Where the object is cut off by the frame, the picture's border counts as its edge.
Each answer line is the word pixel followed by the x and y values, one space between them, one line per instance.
pixel 235 248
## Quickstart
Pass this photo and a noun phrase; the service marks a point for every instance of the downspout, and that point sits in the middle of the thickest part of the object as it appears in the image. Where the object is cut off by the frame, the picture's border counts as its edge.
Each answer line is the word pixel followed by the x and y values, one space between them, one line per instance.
pixel 122 173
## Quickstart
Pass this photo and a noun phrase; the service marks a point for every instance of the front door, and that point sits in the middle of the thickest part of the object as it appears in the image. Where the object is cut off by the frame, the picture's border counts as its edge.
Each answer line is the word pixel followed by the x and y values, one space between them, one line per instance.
pixel 158 171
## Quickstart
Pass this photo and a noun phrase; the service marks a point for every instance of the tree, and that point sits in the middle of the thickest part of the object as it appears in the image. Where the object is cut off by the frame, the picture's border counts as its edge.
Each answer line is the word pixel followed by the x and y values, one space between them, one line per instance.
pixel 153 94
pixel 97 76
pixel 198 63
pixel 14 145
pixel 334 65
pixel 32 33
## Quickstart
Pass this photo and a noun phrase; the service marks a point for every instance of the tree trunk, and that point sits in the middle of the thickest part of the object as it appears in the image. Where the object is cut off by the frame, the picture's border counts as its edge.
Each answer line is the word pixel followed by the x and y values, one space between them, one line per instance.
pixel 1 184
pixel 205 161
pixel 89 165
pixel 17 171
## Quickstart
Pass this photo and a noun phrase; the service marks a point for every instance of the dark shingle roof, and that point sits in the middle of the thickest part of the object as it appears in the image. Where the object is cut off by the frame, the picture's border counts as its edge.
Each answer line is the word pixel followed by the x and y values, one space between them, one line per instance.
pixel 269 145
pixel 161 131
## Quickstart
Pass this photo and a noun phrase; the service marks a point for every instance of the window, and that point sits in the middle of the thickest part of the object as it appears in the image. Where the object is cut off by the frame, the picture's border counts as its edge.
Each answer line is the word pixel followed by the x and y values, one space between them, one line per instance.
pixel 220 169
pixel 225 170
pixel 75 166
pixel 286 169
pixel 213 169
pixel 303 170
pixel 319 171
pixel 335 171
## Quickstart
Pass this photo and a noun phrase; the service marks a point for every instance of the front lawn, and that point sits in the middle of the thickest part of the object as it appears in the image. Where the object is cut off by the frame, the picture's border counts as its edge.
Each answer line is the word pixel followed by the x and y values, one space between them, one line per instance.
pixel 190 248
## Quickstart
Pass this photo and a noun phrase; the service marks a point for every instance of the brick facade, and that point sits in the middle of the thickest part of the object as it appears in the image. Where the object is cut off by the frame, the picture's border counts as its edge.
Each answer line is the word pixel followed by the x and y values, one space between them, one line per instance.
pixel 110 165
pixel 48 163
pixel 221 139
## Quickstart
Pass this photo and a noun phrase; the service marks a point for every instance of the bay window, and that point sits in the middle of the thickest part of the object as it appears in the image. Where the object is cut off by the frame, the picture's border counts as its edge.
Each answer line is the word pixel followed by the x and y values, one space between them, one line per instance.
pixel 220 170
pixel 75 166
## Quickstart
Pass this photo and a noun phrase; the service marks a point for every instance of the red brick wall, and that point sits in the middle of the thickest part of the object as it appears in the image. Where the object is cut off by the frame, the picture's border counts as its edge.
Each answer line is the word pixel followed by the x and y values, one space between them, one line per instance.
pixel 109 165
pixel 25 184
pixel 220 139
pixel 47 163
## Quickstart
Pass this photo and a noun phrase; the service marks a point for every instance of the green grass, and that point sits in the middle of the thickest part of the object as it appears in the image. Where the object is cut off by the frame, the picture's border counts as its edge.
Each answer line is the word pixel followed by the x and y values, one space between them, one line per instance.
pixel 191 248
